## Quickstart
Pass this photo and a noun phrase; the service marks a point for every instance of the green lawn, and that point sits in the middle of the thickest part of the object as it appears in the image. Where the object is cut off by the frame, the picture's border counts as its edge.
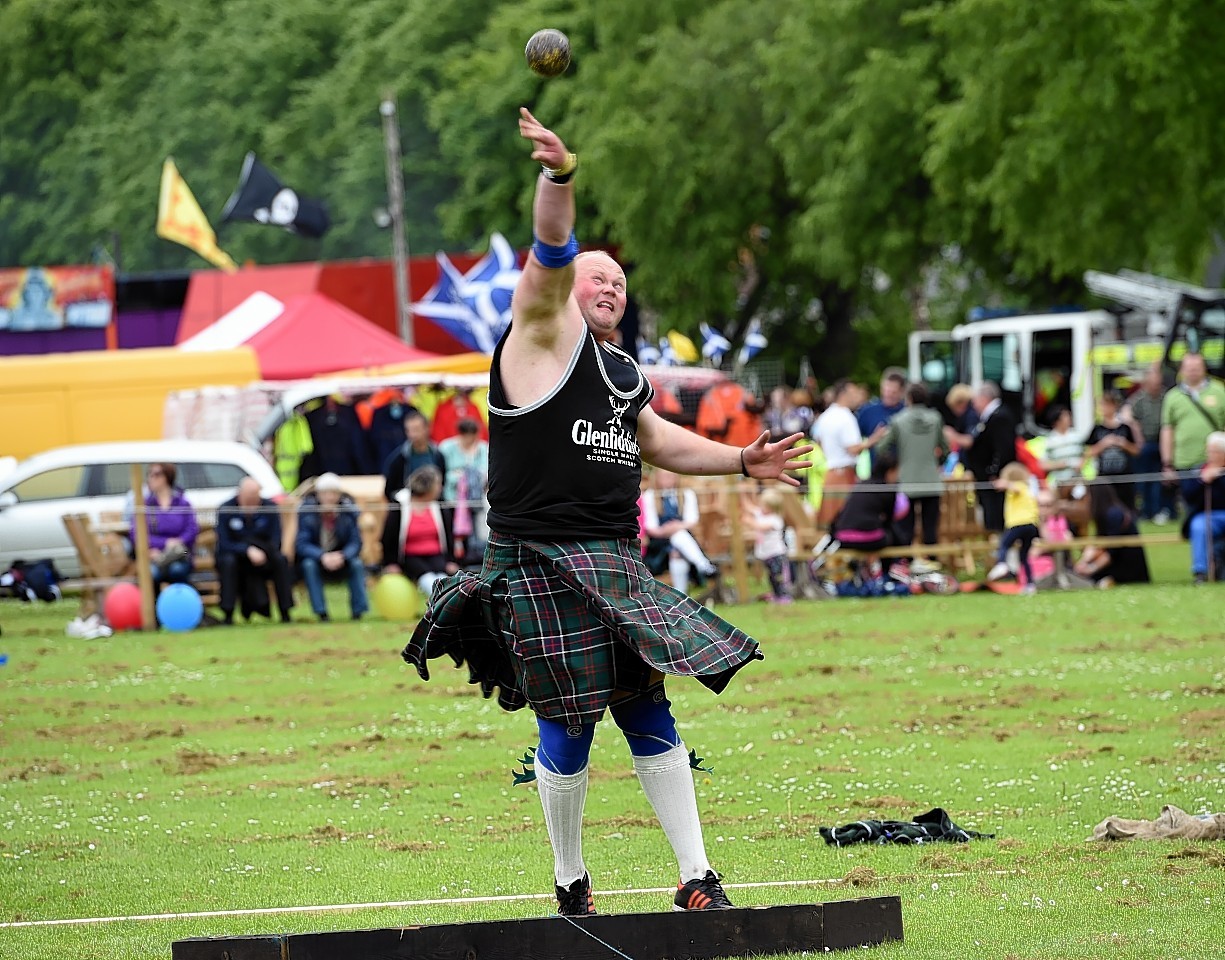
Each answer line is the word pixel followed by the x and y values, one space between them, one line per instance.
pixel 271 766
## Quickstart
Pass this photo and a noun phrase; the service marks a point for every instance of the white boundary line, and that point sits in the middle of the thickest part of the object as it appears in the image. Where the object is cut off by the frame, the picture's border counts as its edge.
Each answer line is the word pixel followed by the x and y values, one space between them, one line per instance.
pixel 459 901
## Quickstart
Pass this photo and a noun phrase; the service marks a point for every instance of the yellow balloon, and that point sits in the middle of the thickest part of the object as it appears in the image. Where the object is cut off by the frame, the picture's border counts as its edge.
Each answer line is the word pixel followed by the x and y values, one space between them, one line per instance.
pixel 396 598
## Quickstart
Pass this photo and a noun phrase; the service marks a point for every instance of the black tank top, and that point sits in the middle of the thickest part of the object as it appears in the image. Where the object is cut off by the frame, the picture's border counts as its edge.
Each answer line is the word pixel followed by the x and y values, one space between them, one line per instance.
pixel 567 467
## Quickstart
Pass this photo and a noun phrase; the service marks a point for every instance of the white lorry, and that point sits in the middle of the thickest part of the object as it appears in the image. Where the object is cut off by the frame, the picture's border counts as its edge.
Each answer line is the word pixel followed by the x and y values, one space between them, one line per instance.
pixel 1067 359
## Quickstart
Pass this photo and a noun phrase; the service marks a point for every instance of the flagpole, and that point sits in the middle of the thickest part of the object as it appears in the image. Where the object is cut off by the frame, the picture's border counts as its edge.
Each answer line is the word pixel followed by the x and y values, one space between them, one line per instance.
pixel 395 206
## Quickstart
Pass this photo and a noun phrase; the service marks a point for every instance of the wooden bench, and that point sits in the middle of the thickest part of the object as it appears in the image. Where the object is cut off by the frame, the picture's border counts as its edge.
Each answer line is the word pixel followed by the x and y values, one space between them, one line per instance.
pixel 101 568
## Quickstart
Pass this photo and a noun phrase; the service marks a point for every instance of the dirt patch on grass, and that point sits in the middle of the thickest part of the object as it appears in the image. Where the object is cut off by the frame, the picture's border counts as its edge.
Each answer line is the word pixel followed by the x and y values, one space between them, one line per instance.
pixel 938 860
pixel 190 762
pixel 1203 723
pixel 35 770
pixel 861 876
pixel 1210 856
pixel 889 802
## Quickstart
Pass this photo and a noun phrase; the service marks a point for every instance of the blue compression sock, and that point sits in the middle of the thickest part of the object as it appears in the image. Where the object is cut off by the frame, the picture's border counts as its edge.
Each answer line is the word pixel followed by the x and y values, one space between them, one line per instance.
pixel 647 723
pixel 564 749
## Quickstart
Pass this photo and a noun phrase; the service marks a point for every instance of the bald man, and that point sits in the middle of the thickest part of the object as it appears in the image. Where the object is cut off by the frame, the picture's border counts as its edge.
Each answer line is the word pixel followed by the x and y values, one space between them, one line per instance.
pixel 249 554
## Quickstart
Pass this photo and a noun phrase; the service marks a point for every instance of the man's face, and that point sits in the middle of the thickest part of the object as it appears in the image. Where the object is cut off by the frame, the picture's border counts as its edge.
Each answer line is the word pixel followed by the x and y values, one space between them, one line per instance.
pixel 248 493
pixel 1152 381
pixel 417 431
pixel 890 393
pixel 1193 369
pixel 599 289
pixel 980 402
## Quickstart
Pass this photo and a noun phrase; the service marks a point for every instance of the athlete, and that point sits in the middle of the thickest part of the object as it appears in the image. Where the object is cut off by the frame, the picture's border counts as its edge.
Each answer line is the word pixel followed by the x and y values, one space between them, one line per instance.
pixel 564 617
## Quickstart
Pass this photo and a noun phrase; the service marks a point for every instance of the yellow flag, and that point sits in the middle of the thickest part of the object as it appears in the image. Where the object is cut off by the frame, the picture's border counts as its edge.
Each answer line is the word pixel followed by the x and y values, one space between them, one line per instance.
pixel 180 219
pixel 683 347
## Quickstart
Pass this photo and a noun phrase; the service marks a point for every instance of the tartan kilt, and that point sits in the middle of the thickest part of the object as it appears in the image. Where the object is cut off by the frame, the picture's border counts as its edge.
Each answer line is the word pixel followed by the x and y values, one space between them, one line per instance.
pixel 562 627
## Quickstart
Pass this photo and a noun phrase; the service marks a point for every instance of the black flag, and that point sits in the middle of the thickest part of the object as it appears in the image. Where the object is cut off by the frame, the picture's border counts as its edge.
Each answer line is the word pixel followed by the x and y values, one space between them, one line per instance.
pixel 262 198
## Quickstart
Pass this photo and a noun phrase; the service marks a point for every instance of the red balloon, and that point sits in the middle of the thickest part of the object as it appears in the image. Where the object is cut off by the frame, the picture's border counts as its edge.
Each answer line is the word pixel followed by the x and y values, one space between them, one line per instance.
pixel 122 607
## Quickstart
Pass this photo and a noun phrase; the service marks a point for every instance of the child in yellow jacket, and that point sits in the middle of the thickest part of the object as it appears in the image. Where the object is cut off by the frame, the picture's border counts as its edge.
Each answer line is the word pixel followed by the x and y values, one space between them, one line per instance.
pixel 1020 520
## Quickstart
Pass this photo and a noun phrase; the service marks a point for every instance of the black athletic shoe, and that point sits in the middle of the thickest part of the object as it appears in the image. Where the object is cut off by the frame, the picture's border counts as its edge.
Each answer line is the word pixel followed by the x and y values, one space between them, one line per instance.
pixel 705 893
pixel 576 901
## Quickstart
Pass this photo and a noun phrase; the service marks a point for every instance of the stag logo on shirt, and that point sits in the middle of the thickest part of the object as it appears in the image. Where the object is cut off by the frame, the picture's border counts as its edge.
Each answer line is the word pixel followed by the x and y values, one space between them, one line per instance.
pixel 614 444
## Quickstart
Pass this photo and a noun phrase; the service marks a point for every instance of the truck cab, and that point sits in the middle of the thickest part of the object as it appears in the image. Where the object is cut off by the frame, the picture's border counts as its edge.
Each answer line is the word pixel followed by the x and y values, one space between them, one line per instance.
pixel 1039 361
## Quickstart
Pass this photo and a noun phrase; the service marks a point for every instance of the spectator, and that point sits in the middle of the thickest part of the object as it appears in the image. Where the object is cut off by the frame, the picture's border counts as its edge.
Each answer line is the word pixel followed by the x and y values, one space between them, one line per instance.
pixel 1156 499
pixel 891 402
pixel 467 458
pixel 453 411
pixel 916 437
pixel 329 545
pixel 415 452
pixel 994 446
pixel 866 521
pixel 1113 443
pixel 428 551
pixel 1020 520
pixel 765 521
pixel 1064 454
pixel 172 526
pixel 837 431
pixel 249 554
pixel 962 419
pixel 1189 412
pixel 1205 497
pixel 1110 565
pixel 669 516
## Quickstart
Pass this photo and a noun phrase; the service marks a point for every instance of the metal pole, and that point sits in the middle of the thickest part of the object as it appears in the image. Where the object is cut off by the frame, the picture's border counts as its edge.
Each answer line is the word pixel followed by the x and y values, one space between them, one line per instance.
pixel 395 207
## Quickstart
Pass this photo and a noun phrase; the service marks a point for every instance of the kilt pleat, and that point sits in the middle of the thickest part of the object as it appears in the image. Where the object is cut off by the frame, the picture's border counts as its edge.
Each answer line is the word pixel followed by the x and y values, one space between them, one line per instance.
pixel 562 627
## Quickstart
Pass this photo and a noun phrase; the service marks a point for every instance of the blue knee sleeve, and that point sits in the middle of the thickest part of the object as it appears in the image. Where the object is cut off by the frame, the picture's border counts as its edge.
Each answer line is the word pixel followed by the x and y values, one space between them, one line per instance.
pixel 647 723
pixel 564 749
pixel 554 257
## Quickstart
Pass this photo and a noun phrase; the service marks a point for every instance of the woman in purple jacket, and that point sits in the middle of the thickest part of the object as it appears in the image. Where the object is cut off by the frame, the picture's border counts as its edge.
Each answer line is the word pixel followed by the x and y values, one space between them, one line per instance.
pixel 172 526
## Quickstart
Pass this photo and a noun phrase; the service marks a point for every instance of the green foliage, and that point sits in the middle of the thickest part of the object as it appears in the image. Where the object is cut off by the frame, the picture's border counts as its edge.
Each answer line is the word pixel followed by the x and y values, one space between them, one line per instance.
pixel 745 158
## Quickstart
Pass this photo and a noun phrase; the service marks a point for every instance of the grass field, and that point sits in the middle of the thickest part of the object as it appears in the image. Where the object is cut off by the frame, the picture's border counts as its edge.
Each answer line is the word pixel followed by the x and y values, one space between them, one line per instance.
pixel 270 766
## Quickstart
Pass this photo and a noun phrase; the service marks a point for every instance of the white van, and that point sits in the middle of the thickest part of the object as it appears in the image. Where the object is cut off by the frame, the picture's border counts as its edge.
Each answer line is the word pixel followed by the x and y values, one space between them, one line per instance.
pixel 96 478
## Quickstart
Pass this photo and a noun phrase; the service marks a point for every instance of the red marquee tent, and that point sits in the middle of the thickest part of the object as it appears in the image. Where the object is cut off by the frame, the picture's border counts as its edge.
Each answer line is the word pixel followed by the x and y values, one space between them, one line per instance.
pixel 307 335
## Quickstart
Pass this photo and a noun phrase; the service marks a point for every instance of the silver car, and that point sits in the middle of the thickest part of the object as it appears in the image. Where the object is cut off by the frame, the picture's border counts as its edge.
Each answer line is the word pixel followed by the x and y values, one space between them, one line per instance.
pixel 96 478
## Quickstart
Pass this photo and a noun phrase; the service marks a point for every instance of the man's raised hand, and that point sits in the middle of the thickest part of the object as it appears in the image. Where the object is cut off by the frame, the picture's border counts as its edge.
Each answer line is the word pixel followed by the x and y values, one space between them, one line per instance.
pixel 548 148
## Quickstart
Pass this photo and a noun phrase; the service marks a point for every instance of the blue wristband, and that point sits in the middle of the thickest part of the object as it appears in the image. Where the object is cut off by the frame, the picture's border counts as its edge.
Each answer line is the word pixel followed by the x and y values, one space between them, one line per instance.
pixel 551 256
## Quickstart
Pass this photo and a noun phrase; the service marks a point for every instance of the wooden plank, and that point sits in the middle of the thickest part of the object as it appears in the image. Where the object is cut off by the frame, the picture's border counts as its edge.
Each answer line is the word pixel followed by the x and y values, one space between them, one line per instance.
pixel 740 932
pixel 140 534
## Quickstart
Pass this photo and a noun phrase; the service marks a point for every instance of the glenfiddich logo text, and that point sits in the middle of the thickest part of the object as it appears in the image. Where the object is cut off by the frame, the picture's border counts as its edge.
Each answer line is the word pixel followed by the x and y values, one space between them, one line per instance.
pixel 611 445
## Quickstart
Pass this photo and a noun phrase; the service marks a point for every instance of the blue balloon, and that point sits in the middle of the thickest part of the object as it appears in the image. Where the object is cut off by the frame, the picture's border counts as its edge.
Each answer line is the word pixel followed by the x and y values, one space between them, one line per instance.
pixel 179 608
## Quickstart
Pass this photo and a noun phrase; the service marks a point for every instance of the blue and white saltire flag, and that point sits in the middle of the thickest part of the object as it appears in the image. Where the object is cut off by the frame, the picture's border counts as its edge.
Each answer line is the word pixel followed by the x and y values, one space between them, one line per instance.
pixel 474 307
pixel 648 353
pixel 714 344
pixel 754 342
pixel 667 356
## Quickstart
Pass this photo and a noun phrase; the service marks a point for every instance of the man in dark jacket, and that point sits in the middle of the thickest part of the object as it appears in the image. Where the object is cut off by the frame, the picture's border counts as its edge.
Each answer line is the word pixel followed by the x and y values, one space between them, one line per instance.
pixel 329 545
pixel 994 445
pixel 249 554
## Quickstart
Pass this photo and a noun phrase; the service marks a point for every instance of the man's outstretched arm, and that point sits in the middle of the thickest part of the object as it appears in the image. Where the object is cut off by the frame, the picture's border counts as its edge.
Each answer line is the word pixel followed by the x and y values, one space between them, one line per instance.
pixel 674 448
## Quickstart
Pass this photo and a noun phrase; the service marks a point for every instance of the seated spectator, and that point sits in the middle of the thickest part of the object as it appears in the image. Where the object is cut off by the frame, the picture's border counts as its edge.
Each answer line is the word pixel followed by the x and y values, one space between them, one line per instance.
pixel 171 521
pixel 1064 454
pixel 1205 525
pixel 1048 562
pixel 415 452
pixel 866 520
pixel 428 551
pixel 669 516
pixel 1113 443
pixel 249 554
pixel 1110 565
pixel 329 545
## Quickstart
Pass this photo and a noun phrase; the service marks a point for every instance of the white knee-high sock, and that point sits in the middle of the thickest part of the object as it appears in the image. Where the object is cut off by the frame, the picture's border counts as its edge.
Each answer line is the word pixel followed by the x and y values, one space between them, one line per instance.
pixel 668 783
pixel 678 567
pixel 562 797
